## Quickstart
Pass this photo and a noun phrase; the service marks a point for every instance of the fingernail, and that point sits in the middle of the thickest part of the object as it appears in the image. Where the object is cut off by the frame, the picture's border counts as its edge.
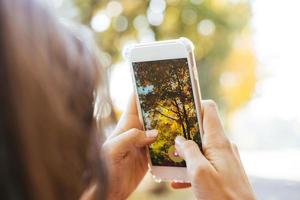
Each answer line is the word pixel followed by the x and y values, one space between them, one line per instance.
pixel 176 154
pixel 152 133
pixel 179 140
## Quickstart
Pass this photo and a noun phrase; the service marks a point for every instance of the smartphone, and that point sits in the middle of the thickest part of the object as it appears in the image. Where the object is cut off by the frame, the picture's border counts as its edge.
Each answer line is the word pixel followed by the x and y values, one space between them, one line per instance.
pixel 166 84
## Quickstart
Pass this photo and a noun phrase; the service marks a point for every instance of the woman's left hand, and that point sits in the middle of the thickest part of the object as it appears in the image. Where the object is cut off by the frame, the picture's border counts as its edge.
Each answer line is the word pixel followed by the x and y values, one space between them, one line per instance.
pixel 125 154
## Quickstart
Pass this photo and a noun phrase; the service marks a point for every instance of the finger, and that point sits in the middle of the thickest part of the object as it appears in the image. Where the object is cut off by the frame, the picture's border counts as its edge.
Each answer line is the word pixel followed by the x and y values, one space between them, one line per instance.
pixel 236 151
pixel 151 136
pixel 176 185
pixel 212 125
pixel 191 153
pixel 187 149
pixel 135 137
pixel 237 155
pixel 129 115
pixel 211 119
pixel 131 106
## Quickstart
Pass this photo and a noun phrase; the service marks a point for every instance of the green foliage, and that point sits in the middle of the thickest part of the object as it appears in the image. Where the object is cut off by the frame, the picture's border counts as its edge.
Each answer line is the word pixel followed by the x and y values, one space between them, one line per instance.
pixel 223 21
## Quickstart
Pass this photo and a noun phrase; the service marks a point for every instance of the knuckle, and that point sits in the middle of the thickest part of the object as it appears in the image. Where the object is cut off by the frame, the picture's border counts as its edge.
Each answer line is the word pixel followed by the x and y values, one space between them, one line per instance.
pixel 211 104
pixel 106 149
pixel 234 146
pixel 200 171
pixel 189 145
pixel 134 131
pixel 224 144
pixel 235 149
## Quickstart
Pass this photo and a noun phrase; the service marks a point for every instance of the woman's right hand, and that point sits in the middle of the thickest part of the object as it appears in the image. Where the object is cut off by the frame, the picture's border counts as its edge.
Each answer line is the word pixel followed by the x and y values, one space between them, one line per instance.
pixel 217 173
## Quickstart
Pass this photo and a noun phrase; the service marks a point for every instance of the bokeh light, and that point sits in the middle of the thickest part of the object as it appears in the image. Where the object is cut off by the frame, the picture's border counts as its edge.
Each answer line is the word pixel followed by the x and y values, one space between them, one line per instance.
pixel 100 22
pixel 120 24
pixel 114 8
pixel 206 27
pixel 157 6
pixel 140 22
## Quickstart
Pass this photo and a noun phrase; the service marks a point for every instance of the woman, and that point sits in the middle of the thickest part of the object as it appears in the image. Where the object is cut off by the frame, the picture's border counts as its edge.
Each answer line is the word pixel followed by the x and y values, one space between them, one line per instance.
pixel 48 79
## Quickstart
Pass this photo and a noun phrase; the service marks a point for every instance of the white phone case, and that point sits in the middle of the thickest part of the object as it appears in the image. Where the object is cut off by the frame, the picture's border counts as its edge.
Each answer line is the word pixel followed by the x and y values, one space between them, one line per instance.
pixel 189 47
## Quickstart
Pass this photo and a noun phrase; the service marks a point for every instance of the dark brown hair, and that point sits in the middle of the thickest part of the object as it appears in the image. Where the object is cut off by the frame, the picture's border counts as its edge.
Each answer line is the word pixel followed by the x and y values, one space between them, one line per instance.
pixel 48 79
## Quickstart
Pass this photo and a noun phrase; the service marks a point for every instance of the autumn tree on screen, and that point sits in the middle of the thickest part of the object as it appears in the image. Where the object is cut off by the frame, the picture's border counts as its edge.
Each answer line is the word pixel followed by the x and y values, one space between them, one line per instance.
pixel 166 98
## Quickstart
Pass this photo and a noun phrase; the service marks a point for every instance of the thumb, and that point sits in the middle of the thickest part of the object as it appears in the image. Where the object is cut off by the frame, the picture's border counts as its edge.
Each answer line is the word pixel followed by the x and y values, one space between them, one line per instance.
pixel 192 155
pixel 129 118
pixel 135 137
pixel 212 125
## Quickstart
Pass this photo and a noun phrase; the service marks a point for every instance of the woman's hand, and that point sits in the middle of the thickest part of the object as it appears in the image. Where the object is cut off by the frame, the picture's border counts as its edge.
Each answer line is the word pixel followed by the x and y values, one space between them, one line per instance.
pixel 125 154
pixel 217 173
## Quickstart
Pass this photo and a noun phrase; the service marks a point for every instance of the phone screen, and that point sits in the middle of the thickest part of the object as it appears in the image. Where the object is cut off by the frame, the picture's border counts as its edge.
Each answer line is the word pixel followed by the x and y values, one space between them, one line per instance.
pixel 167 103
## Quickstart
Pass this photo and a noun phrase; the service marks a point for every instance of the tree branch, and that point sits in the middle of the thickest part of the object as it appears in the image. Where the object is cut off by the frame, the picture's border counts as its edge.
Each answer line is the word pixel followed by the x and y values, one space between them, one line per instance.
pixel 166 115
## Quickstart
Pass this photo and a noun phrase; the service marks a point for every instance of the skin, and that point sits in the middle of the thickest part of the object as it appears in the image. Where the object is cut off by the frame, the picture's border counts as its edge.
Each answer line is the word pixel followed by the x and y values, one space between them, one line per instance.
pixel 216 173
pixel 126 155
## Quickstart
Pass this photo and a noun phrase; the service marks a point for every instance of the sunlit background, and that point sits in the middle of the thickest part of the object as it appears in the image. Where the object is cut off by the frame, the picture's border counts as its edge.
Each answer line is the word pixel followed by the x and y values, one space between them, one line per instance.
pixel 248 60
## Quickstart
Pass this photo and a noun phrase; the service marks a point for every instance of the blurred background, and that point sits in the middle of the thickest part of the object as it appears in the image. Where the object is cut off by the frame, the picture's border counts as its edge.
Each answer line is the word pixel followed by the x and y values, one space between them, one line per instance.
pixel 248 62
